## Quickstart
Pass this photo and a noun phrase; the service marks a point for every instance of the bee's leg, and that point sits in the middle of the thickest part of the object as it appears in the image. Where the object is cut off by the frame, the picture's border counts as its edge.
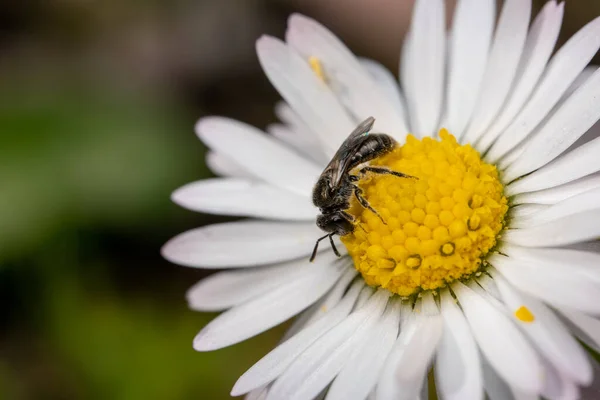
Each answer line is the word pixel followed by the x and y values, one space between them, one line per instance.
pixel 314 253
pixel 384 171
pixel 363 202
pixel 348 217
pixel 335 250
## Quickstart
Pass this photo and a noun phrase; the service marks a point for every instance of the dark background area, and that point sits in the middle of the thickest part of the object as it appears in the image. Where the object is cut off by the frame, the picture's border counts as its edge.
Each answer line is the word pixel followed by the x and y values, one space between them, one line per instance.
pixel 98 100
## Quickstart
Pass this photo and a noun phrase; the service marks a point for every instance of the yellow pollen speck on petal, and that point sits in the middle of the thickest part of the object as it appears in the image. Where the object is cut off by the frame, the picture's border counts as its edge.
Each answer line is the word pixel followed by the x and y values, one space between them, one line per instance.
pixel 523 314
pixel 438 228
pixel 317 67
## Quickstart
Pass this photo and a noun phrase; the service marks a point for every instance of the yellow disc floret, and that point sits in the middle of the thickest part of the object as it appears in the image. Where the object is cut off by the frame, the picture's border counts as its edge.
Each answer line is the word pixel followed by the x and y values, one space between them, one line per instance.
pixel 435 229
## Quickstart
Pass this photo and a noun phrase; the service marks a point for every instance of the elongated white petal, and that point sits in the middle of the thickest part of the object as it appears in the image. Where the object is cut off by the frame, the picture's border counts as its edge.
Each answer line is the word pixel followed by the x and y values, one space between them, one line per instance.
pixel 276 362
pixel 524 211
pixel 241 244
pixel 557 385
pixel 553 286
pixel 586 328
pixel 303 145
pixel 230 288
pixel 344 74
pixel 311 98
pixel 428 50
pixel 586 201
pixel 579 113
pixel 570 261
pixel 286 114
pixel 457 364
pixel 321 307
pixel 259 154
pixel 387 84
pixel 507 47
pixel 575 228
pixel 225 166
pixel 538 48
pixel 547 333
pixel 241 197
pixel 472 30
pixel 359 375
pixel 573 165
pixel 257 394
pixel 312 371
pixel 270 309
pixel 406 365
pixel 500 341
pixel 333 297
pixel 495 387
pixel 511 157
pixel 559 193
pixel 562 70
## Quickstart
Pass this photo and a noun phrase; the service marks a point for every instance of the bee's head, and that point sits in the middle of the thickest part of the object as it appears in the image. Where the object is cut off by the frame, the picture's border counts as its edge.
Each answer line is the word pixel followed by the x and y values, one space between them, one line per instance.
pixel 334 223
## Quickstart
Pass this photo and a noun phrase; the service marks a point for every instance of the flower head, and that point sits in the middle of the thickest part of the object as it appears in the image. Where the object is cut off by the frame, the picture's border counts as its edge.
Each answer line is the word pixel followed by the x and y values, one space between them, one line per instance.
pixel 485 266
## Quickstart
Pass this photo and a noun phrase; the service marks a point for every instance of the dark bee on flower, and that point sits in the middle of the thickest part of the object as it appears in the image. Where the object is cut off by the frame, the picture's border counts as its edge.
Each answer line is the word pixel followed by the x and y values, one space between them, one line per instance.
pixel 336 185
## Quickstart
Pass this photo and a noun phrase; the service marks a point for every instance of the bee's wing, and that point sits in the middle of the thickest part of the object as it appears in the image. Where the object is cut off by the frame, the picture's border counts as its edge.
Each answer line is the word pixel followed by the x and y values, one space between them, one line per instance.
pixel 341 159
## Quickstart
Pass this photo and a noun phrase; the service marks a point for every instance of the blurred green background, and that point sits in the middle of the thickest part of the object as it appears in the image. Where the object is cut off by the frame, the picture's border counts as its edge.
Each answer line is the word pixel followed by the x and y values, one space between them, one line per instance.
pixel 98 100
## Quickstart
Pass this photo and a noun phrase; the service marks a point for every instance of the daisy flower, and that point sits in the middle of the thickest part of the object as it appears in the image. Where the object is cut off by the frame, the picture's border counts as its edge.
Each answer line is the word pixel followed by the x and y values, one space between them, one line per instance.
pixel 485 269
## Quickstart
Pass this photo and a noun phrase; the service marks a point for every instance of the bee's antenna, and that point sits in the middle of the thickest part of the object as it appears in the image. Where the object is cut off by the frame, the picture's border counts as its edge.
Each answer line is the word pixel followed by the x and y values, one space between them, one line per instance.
pixel 314 253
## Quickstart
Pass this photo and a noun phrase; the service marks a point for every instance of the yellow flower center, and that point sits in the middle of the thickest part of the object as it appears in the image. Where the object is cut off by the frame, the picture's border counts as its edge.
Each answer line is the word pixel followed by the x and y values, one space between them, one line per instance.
pixel 438 228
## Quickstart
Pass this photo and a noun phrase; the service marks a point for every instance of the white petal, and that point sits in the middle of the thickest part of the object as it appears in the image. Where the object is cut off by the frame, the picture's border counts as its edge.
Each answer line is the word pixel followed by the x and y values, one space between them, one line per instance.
pixel 550 284
pixel 344 74
pixel 472 30
pixel 558 386
pixel 579 113
pixel 593 392
pixel 360 374
pixel 270 309
pixel 407 364
pixel 279 359
pixel 224 166
pixel 495 387
pixel 562 70
pixel 524 211
pixel 548 334
pixel 241 197
pixel 241 244
pixel 586 328
pixel 559 193
pixel 333 297
pixel 538 48
pixel 260 154
pixel 457 364
pixel 312 371
pixel 571 229
pixel 511 157
pixel 321 307
pixel 500 341
pixel 387 83
pixel 508 44
pixel 428 49
pixel 299 142
pixel 230 288
pixel 291 118
pixel 312 99
pixel 586 201
pixel 573 165
pixel 257 394
pixel 563 260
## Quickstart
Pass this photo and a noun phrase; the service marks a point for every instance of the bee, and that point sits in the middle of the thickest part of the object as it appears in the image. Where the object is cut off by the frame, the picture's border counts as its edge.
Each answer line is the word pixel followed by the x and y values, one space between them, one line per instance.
pixel 336 185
